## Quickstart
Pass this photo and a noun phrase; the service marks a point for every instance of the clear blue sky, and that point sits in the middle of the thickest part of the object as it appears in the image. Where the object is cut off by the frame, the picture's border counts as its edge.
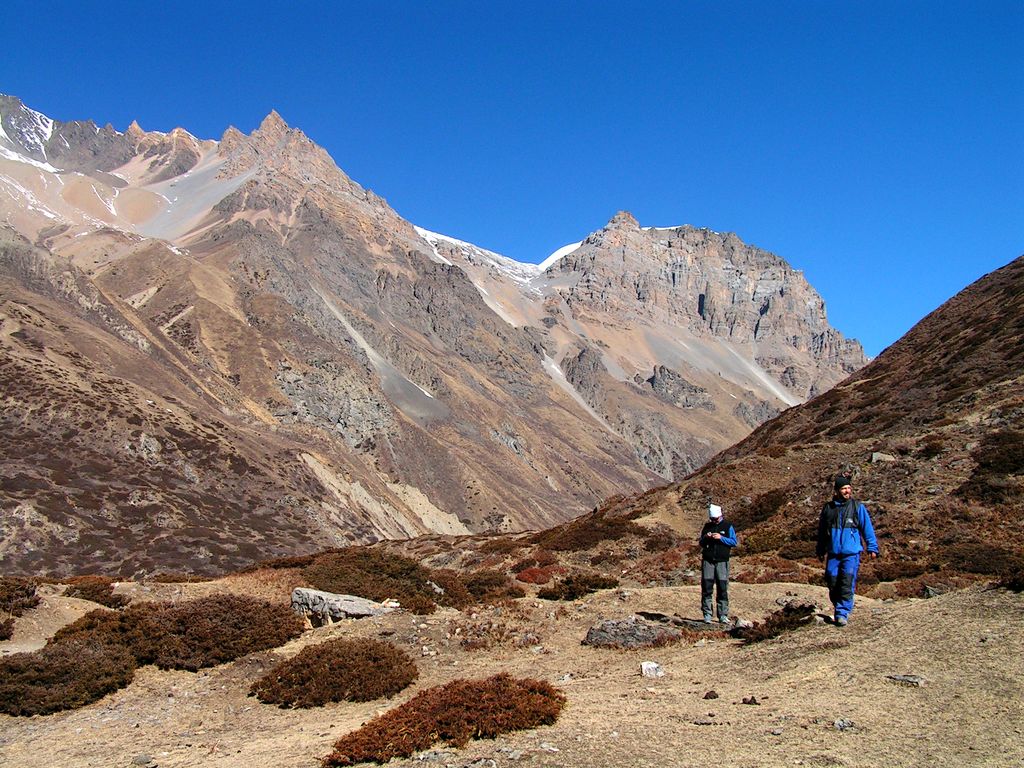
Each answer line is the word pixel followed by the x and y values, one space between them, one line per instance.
pixel 878 146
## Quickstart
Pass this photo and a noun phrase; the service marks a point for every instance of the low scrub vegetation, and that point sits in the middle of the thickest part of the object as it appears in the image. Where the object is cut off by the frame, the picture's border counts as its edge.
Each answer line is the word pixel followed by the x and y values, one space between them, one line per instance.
pixel 577 585
pixel 491 586
pixel 588 531
pixel 62 676
pixel 98 653
pixel 17 595
pixel 379 575
pixel 452 713
pixel 97 589
pixel 786 619
pixel 337 670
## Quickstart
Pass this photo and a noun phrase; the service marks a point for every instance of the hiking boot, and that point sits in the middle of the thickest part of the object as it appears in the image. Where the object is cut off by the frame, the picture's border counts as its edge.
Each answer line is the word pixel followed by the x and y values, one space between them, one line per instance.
pixel 723 620
pixel 707 619
pixel 840 621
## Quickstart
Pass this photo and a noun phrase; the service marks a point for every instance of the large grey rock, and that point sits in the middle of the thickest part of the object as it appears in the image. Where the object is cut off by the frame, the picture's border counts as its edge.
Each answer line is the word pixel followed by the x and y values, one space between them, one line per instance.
pixel 327 607
pixel 629 633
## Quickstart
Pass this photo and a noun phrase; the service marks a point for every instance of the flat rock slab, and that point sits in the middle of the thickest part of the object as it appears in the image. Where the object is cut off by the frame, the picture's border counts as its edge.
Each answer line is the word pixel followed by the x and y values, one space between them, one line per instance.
pixel 676 620
pixel 630 633
pixel 328 607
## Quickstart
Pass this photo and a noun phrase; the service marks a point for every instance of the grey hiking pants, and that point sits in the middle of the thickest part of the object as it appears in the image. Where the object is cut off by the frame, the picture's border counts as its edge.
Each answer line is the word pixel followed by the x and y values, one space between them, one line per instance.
pixel 714 576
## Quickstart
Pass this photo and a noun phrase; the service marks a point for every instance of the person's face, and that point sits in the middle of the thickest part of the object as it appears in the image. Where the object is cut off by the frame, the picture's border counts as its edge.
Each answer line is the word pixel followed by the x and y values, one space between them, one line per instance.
pixel 846 492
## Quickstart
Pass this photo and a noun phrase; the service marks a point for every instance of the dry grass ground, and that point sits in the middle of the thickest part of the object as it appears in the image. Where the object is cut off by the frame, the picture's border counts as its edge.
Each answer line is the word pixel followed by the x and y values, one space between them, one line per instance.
pixel 967 647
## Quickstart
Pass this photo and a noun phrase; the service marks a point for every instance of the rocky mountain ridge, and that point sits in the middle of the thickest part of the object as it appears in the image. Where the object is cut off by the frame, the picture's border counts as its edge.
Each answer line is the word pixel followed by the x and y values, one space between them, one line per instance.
pixel 177 309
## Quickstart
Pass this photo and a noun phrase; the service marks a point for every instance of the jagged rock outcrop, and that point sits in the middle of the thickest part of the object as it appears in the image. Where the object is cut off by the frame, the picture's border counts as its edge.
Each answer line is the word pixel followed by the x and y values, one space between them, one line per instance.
pixel 711 284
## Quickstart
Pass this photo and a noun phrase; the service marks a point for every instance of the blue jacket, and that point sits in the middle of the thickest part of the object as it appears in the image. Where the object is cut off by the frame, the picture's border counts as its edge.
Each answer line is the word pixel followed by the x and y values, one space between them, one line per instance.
pixel 842 525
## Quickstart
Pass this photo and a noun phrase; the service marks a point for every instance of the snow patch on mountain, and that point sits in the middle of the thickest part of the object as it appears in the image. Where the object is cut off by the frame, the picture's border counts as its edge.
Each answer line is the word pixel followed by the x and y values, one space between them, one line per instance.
pixel 557 256
pixel 7 154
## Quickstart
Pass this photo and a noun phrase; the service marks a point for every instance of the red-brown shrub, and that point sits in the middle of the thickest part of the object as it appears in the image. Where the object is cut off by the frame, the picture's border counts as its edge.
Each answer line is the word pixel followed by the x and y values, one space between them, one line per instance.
pixel 62 676
pixel 453 713
pixel 17 595
pixel 216 629
pixel 537 575
pixel 587 531
pixel 189 635
pixel 379 575
pixel 97 589
pixel 6 629
pixel 490 586
pixel 788 618
pixel 577 585
pixel 337 670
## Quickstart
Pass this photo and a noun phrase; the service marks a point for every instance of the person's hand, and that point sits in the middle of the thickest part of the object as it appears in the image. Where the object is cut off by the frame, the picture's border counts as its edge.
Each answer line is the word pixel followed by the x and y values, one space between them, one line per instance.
pixel 873 555
pixel 716 535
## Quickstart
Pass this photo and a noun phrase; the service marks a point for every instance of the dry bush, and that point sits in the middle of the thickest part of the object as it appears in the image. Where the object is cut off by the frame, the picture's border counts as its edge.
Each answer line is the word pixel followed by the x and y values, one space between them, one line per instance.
pixel 126 629
pixel 587 532
pixel 789 617
pixel 540 558
pixel 978 557
pixel 764 540
pixel 188 635
pixel 6 629
pixel 895 570
pixel 17 595
pixel 378 575
pixel 453 713
pixel 577 585
pixel 661 540
pixel 165 577
pixel 761 508
pixel 798 549
pixel 1013 581
pixel 538 575
pixel 337 670
pixel 62 676
pixel 490 586
pixel 500 545
pixel 217 629
pixel 97 589
pixel 606 557
pixel 999 456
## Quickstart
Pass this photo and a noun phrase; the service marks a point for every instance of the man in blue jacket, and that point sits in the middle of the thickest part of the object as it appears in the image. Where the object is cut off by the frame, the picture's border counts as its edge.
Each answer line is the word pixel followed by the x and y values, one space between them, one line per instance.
pixel 717 538
pixel 844 522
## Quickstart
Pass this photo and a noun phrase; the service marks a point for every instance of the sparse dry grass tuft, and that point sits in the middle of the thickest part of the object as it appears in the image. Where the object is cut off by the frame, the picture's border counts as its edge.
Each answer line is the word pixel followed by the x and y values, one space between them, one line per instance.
pixel 452 713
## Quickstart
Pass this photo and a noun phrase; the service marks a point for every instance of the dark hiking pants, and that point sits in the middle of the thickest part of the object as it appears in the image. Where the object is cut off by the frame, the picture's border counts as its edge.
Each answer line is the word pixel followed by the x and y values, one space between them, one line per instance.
pixel 714 576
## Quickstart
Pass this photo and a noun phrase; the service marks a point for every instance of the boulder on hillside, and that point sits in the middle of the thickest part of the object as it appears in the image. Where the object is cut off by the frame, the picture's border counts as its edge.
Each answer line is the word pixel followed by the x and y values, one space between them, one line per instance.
pixel 321 608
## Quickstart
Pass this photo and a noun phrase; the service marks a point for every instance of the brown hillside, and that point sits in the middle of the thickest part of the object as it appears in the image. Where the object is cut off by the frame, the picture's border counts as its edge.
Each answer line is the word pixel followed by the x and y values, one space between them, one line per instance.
pixel 933 434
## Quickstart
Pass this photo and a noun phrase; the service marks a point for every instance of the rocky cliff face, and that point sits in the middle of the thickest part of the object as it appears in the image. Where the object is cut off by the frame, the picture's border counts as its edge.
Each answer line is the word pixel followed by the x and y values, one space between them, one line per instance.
pixel 710 285
pixel 215 351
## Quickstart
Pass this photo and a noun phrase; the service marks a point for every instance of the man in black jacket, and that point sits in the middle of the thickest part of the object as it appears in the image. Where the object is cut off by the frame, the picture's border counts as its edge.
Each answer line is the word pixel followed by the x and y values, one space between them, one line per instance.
pixel 717 538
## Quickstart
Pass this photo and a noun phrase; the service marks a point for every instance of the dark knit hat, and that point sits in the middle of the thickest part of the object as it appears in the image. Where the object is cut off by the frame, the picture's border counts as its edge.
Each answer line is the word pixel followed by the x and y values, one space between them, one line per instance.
pixel 841 480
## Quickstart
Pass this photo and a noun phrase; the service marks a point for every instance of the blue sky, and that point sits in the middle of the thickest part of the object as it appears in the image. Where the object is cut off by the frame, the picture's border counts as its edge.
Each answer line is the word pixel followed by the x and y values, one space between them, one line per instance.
pixel 877 146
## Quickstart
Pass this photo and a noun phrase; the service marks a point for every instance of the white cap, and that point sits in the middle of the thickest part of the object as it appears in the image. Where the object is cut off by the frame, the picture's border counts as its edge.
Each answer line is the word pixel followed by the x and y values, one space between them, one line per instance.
pixel 714 511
